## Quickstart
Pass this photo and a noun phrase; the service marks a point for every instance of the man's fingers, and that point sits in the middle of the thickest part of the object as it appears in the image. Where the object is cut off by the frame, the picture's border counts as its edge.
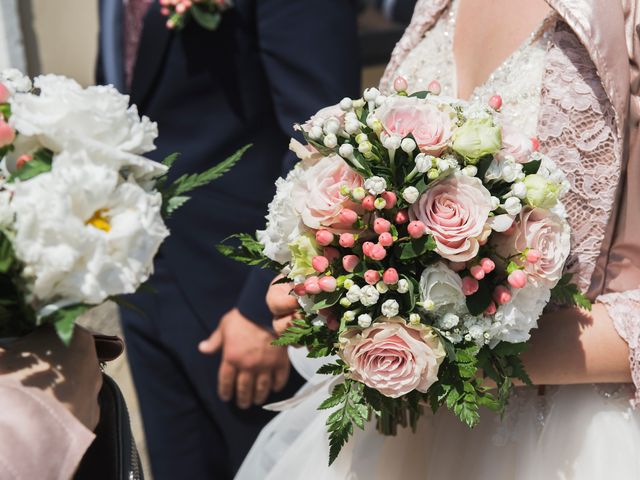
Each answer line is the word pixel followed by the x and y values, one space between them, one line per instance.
pixel 280 377
pixel 281 324
pixel 279 300
pixel 226 381
pixel 245 382
pixel 212 344
pixel 263 388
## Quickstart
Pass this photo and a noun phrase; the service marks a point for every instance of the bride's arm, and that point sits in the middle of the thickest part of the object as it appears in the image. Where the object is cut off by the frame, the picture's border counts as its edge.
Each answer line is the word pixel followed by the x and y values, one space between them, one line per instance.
pixel 575 346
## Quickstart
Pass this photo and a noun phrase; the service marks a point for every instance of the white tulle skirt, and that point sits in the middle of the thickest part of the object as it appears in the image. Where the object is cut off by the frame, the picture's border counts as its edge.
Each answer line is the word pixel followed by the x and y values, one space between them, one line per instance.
pixel 582 432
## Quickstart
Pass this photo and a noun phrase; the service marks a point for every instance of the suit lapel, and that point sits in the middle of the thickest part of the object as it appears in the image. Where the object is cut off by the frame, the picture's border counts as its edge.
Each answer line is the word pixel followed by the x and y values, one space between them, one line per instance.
pixel 112 54
pixel 154 41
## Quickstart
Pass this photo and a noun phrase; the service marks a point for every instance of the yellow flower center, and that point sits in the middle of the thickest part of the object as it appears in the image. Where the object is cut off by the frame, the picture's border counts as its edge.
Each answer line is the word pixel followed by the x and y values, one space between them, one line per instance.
pixel 99 220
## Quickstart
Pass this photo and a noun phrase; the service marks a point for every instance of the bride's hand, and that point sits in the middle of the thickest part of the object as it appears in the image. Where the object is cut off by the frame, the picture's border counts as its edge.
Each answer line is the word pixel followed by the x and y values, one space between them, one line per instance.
pixel 282 304
pixel 250 366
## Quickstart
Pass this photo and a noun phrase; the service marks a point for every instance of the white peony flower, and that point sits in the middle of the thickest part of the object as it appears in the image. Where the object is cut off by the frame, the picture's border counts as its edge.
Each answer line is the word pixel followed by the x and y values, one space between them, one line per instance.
pixel 521 314
pixel 375 185
pixel 15 81
pixel 442 287
pixel 84 234
pixel 97 120
pixel 369 295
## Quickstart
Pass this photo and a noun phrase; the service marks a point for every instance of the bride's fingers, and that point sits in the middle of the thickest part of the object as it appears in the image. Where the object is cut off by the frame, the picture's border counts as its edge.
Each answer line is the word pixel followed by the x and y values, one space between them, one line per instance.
pixel 226 381
pixel 280 377
pixel 245 382
pixel 263 388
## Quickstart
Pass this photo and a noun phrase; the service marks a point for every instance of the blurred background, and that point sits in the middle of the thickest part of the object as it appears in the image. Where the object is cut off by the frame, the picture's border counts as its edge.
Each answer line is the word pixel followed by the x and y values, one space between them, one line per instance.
pixel 36 42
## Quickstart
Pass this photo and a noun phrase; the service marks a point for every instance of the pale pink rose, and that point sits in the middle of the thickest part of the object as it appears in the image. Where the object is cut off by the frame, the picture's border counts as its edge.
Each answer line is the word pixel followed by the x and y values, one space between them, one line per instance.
pixel 516 144
pixel 455 212
pixel 317 196
pixel 539 229
pixel 323 115
pixel 393 357
pixel 432 125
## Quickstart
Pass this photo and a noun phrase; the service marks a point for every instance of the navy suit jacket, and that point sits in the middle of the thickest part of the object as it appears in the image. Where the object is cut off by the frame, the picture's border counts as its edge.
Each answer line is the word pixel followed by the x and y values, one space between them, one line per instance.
pixel 270 64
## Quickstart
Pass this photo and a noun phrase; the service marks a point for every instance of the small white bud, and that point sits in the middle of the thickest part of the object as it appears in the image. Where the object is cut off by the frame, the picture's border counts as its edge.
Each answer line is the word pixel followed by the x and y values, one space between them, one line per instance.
pixel 352 127
pixel 349 316
pixel 380 99
pixel 346 104
pixel 390 308
pixel 364 320
pixel 429 305
pixel 443 165
pixel 470 170
pixel 318 322
pixel 495 203
pixel 370 94
pixel 359 103
pixel 361 138
pixel 392 142
pixel 330 141
pixel 382 287
pixel 315 133
pixel 380 203
pixel 375 185
pixel 403 285
pixel 365 147
pixel 512 205
pixel 346 150
pixel 348 283
pixel 410 194
pixel 408 145
pixel 519 190
pixel 358 193
pixel 332 125
pixel 345 302
pixel 414 319
pixel 423 162
pixel 432 174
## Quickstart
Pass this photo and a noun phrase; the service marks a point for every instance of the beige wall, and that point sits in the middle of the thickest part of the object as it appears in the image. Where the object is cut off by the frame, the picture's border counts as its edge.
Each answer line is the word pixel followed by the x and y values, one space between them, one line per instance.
pixel 61 37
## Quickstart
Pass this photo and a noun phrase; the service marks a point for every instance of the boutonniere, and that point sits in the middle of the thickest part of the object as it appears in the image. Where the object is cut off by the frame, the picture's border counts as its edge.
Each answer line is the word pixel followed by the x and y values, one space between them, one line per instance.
pixel 207 13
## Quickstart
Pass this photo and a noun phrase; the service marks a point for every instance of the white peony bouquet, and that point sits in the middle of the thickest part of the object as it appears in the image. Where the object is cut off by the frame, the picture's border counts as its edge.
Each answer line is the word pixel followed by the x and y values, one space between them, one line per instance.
pixel 423 238
pixel 81 209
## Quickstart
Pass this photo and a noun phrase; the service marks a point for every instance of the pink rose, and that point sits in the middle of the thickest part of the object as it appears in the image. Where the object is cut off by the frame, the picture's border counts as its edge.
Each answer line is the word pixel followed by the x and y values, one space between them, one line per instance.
pixel 393 357
pixel 455 212
pixel 516 144
pixel 432 125
pixel 539 229
pixel 317 195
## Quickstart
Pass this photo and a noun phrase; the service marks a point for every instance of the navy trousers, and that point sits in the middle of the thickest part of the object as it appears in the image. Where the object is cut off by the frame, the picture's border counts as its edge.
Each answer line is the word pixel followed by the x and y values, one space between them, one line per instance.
pixel 190 432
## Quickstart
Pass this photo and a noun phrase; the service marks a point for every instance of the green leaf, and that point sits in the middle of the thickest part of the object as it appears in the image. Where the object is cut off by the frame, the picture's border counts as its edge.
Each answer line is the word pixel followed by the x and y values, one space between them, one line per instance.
pixel 208 20
pixel 421 95
pixel 169 160
pixel 247 250
pixel 64 320
pixel 479 301
pixel 189 182
pixel 331 369
pixel 41 163
pixel 483 165
pixel 415 248
pixel 7 255
pixel 531 167
pixel 175 203
pixel 327 300
pixel 567 293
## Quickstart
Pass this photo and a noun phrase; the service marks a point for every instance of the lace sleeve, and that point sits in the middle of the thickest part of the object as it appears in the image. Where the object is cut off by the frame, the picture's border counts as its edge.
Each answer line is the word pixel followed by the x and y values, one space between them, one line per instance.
pixel 624 310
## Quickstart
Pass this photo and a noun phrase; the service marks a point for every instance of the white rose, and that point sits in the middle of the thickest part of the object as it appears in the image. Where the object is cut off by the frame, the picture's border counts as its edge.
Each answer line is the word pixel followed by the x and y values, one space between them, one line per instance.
pixel 375 185
pixel 442 286
pixel 369 295
pixel 410 194
pixel 521 314
pixel 85 234
pixel 390 308
pixel 284 224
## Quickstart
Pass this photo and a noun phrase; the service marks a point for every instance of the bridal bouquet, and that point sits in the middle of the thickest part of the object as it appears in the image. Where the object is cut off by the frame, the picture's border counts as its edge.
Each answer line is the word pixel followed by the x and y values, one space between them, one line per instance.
pixel 423 239
pixel 81 209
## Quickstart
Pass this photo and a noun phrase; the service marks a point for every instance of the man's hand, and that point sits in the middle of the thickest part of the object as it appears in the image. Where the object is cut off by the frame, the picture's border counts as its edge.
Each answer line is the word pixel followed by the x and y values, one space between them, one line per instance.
pixel 282 304
pixel 250 364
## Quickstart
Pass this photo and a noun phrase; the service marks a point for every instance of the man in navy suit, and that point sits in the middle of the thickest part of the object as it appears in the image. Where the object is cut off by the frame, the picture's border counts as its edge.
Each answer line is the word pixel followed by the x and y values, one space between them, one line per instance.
pixel 270 63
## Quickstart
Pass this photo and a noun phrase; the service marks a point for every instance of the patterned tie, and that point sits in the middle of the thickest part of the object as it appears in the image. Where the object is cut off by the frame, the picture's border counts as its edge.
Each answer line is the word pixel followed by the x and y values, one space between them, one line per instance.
pixel 134 12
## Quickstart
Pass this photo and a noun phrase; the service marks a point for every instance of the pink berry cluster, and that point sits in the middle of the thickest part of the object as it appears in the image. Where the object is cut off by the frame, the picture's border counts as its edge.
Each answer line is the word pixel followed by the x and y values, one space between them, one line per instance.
pixel 177 10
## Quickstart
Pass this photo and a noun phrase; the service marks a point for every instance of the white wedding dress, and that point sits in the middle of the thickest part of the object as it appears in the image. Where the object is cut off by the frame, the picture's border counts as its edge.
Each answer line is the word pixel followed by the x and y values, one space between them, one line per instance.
pixel 583 432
